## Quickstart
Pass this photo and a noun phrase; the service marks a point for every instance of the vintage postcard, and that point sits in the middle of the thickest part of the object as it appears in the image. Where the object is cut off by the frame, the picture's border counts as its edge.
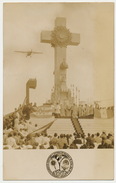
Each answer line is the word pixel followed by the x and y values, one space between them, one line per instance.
pixel 58 87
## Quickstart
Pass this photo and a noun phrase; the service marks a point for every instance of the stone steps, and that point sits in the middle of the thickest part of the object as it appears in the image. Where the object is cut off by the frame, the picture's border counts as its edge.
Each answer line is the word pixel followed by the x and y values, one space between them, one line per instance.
pixel 93 126
pixel 65 126
pixel 61 126
pixel 77 126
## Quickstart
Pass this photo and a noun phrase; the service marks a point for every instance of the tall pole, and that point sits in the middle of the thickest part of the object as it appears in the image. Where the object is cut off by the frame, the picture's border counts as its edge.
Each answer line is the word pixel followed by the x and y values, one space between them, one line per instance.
pixel 79 96
pixel 73 95
pixel 76 97
pixel 31 83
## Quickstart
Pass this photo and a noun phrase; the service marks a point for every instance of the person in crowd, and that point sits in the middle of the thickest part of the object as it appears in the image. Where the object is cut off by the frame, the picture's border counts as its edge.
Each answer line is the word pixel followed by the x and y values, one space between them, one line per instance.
pixel 98 139
pixel 5 136
pixel 84 146
pixel 52 146
pixel 26 111
pixel 17 113
pixel 54 140
pixel 68 111
pixel 103 135
pixel 57 110
pixel 16 123
pixel 111 137
pixel 11 141
pixel 102 144
pixel 73 145
pixel 61 141
pixel 80 111
pixel 46 141
pixel 108 142
pixel 15 136
pixel 38 140
pixel 34 107
pixel 91 110
pixel 78 140
pixel 88 140
pixel 92 138
pixel 62 110
pixel 83 138
pixel 74 111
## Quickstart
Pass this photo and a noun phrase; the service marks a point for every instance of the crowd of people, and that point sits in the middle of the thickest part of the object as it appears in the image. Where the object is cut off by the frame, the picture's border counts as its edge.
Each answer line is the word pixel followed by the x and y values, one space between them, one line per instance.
pixel 63 110
pixel 15 140
pixel 18 134
pixel 21 137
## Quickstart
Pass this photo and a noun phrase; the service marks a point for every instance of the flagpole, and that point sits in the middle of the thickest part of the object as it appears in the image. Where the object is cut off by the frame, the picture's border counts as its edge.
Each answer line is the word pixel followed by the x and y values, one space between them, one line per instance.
pixel 76 97
pixel 79 96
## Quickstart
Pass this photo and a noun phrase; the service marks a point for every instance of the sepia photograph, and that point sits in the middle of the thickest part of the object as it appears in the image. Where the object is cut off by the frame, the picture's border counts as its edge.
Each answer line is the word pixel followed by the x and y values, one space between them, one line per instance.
pixel 58 91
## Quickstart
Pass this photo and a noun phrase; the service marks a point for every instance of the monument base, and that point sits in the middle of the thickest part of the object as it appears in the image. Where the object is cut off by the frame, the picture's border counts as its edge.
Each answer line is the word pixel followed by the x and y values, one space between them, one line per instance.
pixel 64 98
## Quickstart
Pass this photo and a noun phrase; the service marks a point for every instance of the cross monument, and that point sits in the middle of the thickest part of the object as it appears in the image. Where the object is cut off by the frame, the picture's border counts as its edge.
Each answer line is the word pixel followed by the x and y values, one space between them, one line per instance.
pixel 59 39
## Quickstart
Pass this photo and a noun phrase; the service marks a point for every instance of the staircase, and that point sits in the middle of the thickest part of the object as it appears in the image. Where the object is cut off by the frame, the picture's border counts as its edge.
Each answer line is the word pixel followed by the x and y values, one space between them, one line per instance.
pixel 61 126
pixel 77 126
pixel 93 126
pixel 69 126
pixel 40 121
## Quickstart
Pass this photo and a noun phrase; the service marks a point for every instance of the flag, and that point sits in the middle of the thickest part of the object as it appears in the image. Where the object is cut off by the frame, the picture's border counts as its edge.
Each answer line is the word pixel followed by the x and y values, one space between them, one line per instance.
pixel 42 129
pixel 103 113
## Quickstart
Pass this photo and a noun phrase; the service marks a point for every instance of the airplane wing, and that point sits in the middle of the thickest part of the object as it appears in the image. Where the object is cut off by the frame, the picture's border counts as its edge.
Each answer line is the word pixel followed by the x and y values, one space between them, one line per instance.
pixel 36 52
pixel 21 51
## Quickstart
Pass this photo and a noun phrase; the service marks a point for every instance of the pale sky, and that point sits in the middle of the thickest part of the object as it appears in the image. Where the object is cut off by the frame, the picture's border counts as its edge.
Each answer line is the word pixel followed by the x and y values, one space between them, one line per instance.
pixel 90 63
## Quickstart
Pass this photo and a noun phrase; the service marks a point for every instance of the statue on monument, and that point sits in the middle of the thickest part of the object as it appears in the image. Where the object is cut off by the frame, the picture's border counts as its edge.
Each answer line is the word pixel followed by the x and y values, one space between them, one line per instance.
pixel 63 67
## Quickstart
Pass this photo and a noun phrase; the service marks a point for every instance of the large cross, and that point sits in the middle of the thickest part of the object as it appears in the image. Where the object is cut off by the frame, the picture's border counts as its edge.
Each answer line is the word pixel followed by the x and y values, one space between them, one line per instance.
pixel 60 38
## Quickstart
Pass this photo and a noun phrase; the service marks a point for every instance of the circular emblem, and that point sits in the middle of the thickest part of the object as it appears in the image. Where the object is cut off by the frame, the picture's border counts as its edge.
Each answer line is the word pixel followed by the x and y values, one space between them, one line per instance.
pixel 59 164
pixel 61 36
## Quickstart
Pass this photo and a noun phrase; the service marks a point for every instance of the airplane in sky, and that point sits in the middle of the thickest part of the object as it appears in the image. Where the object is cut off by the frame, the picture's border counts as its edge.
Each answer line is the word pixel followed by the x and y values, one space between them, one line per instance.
pixel 29 53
